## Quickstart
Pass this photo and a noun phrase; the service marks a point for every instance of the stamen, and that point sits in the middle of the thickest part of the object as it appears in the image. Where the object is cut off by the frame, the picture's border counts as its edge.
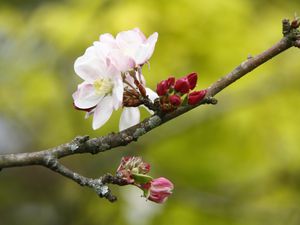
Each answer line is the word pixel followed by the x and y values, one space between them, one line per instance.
pixel 103 86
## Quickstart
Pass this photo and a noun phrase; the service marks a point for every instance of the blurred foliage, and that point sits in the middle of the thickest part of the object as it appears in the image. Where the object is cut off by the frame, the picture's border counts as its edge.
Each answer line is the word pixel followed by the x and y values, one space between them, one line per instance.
pixel 237 163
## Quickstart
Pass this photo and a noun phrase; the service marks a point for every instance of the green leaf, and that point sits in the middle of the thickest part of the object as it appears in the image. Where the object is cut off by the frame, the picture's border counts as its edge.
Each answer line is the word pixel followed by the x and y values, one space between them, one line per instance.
pixel 141 178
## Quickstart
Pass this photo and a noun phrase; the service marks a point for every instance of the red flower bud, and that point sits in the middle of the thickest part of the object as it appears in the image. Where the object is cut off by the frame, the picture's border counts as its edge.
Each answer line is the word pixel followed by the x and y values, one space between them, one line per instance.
pixel 162 88
pixel 196 96
pixel 171 81
pixel 192 78
pixel 175 100
pixel 182 85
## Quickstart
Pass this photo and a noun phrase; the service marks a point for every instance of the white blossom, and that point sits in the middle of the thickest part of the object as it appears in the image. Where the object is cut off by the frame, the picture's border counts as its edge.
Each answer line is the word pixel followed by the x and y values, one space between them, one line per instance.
pixel 102 89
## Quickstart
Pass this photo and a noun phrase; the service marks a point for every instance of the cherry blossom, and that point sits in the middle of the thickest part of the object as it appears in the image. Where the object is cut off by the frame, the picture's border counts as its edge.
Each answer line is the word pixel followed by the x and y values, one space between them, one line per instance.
pixel 130 48
pixel 107 68
pixel 102 88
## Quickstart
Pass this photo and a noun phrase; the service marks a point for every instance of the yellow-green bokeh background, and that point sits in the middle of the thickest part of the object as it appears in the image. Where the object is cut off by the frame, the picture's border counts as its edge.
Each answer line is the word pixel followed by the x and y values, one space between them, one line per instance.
pixel 236 163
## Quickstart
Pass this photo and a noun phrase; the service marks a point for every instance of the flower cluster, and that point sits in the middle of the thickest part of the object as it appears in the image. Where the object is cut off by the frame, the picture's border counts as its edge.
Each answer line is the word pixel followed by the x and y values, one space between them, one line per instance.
pixel 111 70
pixel 134 171
pixel 112 78
pixel 173 93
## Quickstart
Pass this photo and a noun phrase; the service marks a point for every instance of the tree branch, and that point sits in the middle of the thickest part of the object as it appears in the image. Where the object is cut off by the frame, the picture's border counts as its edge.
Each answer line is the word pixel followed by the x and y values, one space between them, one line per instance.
pixel 82 144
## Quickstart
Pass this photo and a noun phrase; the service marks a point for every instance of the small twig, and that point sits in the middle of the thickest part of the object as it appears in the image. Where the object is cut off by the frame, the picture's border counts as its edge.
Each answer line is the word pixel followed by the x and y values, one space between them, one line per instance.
pixel 149 104
pixel 99 185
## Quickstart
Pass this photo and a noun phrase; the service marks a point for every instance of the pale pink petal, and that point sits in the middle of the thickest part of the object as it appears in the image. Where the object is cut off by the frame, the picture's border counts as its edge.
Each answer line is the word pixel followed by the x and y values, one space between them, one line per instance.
pixel 85 71
pixel 85 96
pixel 151 44
pixel 129 37
pixel 102 112
pixel 89 66
pixel 121 61
pixel 103 49
pixel 107 38
pixel 134 44
pixel 151 94
pixel 141 54
pixel 130 116
pixel 117 92
pixel 143 37
pixel 129 42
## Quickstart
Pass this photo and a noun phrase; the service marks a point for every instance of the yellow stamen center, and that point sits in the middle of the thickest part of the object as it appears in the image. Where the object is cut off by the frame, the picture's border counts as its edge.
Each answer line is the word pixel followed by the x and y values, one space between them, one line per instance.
pixel 103 86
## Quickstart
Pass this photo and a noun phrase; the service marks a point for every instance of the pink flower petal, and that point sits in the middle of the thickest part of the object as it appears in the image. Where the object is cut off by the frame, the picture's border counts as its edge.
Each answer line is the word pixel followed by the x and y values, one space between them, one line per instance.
pixel 151 94
pixel 151 44
pixel 102 112
pixel 85 96
pixel 130 117
pixel 121 61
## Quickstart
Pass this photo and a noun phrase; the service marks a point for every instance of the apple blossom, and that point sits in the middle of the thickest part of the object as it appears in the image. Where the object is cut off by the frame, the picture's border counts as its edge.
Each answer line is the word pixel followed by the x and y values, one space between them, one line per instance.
pixel 102 89
pixel 134 47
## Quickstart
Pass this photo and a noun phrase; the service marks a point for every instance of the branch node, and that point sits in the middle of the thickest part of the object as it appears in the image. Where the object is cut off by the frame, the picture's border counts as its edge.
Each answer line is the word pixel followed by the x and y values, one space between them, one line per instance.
pixel 77 142
pixel 286 27
pixel 82 139
pixel 50 161
pixel 102 190
pixel 211 100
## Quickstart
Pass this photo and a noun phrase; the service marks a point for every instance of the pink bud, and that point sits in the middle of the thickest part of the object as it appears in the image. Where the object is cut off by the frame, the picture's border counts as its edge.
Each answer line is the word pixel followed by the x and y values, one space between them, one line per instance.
pixel 175 100
pixel 196 96
pixel 160 189
pixel 182 85
pixel 192 78
pixel 162 88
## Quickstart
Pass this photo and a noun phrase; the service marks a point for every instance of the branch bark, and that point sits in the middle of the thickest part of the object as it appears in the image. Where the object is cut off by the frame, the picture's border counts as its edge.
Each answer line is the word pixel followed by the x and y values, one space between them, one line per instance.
pixel 83 144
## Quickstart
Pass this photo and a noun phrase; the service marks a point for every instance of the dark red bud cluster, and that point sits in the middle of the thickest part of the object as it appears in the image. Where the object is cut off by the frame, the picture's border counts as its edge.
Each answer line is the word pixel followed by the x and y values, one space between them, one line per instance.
pixel 172 91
